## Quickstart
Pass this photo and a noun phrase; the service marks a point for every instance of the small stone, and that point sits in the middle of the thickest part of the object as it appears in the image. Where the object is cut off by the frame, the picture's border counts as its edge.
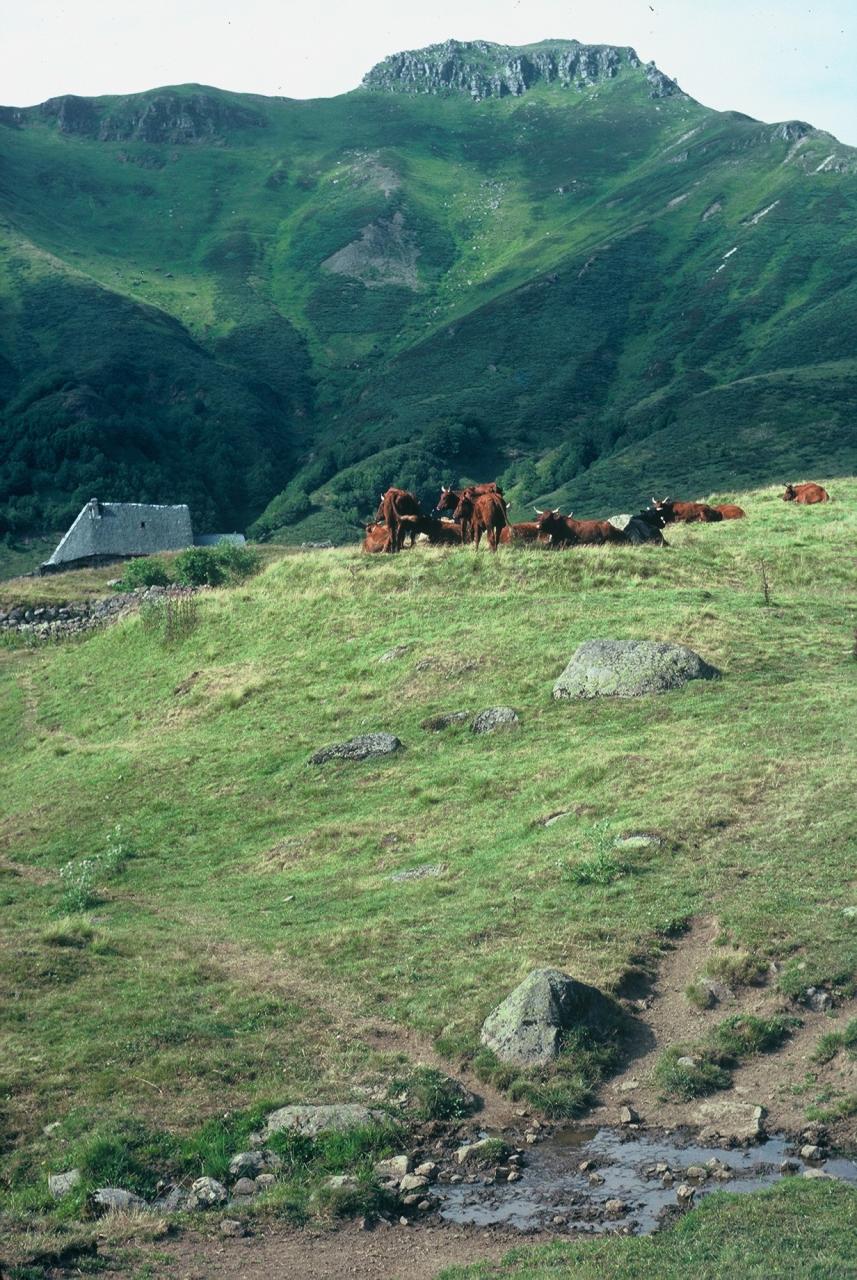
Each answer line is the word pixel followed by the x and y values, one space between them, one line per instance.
pixel 115 1200
pixel 596 1180
pixel 394 1167
pixel 60 1184
pixel 628 1086
pixel 616 1208
pixel 684 1193
pixel 811 1152
pixel 586 1166
pixel 818 1173
pixel 410 1199
pixel 341 1181
pixel 403 1222
pixel 696 1172
pixel 424 1206
pixel 819 1001
pixel 413 1182
pixel 365 746
pixel 662 1167
pixel 686 1061
pixel 205 1193
pixel 428 1169
pixel 514 1175
pixel 245 1187
pixel 392 654
pixel 627 1115
pixel 637 841
pixel 455 1179
pixel 557 1221
pixel 530 1137
pixel 789 1166
pixel 232 1227
pixel 667 1180
pixel 494 718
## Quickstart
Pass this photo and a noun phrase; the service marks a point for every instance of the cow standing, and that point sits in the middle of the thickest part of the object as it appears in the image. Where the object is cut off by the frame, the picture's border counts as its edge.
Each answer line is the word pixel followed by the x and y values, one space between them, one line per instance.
pixel 481 513
pixel 396 503
pixel 806 494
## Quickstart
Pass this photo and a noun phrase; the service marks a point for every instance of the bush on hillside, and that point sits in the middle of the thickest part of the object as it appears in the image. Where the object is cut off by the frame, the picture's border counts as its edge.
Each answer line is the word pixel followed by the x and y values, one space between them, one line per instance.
pixel 148 571
pixel 214 566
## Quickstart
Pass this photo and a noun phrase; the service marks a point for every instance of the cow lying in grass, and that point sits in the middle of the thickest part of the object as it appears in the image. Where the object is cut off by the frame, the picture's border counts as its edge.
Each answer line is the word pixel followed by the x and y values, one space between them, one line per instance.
pixel 672 512
pixel 565 531
pixel 807 494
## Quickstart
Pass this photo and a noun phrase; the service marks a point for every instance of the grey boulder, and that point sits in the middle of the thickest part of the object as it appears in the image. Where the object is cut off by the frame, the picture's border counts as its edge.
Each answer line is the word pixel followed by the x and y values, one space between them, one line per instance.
pixel 114 1200
pixel 494 718
pixel 364 747
pixel 59 1184
pixel 206 1193
pixel 311 1121
pixel 630 669
pixel 527 1026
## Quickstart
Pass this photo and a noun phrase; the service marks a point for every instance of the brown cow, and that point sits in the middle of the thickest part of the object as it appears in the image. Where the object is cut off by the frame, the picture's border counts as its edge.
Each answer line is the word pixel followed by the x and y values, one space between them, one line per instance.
pixel 450 498
pixel 440 533
pixel 729 511
pixel 481 513
pixel 565 531
pixel 396 503
pixel 671 511
pixel 807 494
pixel 377 538
pixel 525 531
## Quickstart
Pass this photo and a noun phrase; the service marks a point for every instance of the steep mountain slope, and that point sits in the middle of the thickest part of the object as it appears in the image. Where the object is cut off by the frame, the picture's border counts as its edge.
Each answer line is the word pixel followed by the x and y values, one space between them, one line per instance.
pixel 547 263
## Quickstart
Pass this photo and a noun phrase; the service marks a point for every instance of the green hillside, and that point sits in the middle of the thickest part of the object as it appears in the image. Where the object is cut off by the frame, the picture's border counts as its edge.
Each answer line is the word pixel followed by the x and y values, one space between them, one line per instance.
pixel 243 938
pixel 547 264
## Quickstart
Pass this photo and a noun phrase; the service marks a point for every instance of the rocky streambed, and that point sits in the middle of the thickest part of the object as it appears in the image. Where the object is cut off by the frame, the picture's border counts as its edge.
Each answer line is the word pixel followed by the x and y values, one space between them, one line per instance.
pixel 614 1180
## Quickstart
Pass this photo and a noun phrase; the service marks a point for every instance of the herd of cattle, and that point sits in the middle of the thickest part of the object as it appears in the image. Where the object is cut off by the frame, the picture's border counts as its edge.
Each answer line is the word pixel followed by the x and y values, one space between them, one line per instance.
pixel 462 516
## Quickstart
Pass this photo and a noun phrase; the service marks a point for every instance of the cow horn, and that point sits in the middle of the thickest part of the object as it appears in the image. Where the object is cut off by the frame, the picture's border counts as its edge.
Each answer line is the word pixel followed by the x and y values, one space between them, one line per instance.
pixel 556 511
pixel 537 511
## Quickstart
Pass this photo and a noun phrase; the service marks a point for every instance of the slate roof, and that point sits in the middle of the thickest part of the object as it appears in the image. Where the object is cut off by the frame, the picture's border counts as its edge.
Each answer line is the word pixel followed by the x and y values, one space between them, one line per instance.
pixel 124 529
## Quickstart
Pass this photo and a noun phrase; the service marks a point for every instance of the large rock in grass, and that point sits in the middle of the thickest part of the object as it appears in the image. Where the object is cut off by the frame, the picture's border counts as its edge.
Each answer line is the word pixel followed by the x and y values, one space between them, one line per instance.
pixel 527 1027
pixel 730 1122
pixel 364 747
pixel 630 669
pixel 311 1121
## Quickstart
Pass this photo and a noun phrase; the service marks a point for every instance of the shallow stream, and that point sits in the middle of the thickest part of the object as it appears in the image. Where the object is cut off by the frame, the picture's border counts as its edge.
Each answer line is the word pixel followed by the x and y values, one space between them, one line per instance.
pixel 553 1192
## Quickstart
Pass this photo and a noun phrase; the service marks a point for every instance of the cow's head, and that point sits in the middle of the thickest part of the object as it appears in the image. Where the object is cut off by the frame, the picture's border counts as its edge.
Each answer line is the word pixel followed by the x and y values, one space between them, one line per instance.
pixel 448 499
pixel 550 521
pixel 790 493
pixel 665 507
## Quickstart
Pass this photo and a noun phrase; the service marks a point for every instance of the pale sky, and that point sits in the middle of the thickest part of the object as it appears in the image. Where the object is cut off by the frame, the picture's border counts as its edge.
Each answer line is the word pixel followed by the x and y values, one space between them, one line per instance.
pixel 775 61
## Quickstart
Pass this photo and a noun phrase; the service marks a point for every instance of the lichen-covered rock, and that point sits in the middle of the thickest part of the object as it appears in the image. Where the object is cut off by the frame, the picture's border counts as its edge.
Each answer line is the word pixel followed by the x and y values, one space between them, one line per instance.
pixel 249 1164
pixel 313 1120
pixel 60 1184
pixel 494 718
pixel 206 1193
pixel 114 1200
pixel 527 1026
pixel 629 669
pixel 364 747
pixel 730 1121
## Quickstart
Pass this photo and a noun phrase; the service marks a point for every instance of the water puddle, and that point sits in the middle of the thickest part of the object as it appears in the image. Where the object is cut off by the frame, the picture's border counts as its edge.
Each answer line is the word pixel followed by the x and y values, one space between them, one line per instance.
pixel 553 1192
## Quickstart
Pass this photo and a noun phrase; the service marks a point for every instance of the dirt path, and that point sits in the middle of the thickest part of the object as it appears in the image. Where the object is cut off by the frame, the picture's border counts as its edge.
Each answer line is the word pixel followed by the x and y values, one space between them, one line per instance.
pixel 278 1253
pixel 784 1082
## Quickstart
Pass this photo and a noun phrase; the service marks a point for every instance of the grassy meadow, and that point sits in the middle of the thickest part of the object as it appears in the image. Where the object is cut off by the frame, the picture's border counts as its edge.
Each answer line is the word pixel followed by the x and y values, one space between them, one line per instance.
pixel 237 939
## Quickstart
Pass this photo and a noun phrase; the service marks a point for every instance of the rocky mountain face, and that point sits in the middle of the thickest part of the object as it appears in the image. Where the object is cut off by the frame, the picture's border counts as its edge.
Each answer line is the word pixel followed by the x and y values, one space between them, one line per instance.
pixel 484 70
pixel 163 116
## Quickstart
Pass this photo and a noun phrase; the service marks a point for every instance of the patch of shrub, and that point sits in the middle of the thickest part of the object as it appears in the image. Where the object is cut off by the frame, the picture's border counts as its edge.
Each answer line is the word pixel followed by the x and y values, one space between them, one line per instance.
pixel 435 1096
pixel 699 995
pixel 737 969
pixel 69 932
pixel 81 877
pixel 214 566
pixel 147 571
pixel 603 865
pixel 830 1044
pixel 238 561
pixel 686 1080
pixel 744 1034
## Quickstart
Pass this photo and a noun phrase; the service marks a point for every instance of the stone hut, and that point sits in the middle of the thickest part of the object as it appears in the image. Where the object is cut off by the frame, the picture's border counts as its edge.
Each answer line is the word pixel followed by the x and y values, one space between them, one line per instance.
pixel 106 531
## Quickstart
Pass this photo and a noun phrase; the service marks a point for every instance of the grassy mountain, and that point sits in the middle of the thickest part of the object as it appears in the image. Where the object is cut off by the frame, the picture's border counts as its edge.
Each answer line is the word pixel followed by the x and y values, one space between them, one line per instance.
pixel 546 263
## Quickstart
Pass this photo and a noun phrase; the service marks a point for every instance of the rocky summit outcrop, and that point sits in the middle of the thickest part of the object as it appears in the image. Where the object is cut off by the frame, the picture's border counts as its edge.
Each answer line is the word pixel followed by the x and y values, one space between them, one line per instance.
pixel 164 116
pixel 527 1027
pixel 629 669
pixel 481 69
